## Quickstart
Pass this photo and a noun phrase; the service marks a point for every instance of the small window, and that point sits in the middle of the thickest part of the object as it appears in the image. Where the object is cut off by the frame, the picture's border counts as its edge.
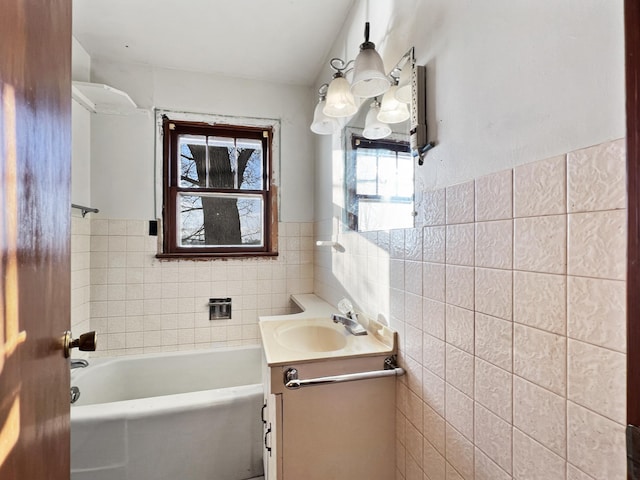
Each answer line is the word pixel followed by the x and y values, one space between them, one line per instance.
pixel 379 179
pixel 218 198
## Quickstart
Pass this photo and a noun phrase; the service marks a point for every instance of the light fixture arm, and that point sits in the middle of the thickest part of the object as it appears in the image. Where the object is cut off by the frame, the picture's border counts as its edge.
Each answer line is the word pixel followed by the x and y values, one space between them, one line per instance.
pixel 407 78
pixel 322 91
pixel 340 67
pixel 422 152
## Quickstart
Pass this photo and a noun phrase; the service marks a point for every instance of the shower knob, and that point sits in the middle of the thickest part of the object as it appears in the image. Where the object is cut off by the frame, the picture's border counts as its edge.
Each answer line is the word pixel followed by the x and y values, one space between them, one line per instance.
pixel 87 342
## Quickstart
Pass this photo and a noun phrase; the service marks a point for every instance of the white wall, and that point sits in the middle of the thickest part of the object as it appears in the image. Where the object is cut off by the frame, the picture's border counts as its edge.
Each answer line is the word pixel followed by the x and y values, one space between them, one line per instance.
pixel 122 155
pixel 81 132
pixel 81 62
pixel 509 82
pixel 81 195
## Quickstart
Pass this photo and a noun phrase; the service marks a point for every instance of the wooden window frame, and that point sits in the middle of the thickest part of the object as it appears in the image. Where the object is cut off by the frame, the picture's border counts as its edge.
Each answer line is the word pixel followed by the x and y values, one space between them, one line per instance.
pixel 172 129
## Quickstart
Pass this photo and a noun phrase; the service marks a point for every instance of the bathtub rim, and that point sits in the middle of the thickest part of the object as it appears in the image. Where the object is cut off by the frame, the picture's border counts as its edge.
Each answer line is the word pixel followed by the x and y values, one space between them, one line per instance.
pixel 162 404
pixel 97 361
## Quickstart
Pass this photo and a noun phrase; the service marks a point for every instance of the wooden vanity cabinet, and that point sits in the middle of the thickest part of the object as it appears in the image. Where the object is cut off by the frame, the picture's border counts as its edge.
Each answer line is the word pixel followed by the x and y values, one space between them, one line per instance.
pixel 338 431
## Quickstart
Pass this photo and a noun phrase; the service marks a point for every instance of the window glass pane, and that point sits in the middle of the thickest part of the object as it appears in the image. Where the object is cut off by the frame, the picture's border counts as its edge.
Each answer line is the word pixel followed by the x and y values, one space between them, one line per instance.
pixel 366 173
pixel 376 215
pixel 191 228
pixel 192 163
pixel 405 175
pixel 387 171
pixel 250 209
pixel 366 187
pixel 250 164
pixel 222 163
pixel 220 220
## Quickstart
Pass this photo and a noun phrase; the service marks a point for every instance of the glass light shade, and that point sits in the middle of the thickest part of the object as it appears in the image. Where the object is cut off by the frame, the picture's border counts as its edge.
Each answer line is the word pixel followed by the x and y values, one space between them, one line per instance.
pixel 403 92
pixel 340 101
pixel 323 125
pixel 369 79
pixel 391 110
pixel 374 128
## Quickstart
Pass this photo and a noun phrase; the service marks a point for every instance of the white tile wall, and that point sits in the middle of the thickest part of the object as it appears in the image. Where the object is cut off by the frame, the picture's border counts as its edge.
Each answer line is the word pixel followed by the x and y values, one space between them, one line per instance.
pixel 494 389
pixel 487 469
pixel 493 437
pixel 539 188
pixel 80 274
pixel 597 312
pixel 522 372
pixel 138 303
pixel 533 461
pixel 460 204
pixel 494 196
pixel 540 414
pixel 540 244
pixel 510 313
pixel 540 301
pixel 597 179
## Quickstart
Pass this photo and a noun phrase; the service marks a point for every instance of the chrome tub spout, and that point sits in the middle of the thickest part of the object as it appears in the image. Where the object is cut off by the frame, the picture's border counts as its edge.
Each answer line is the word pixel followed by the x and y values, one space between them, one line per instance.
pixel 78 363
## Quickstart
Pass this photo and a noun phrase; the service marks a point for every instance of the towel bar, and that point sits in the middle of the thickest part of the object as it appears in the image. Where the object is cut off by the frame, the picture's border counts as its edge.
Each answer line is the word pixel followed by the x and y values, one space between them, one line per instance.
pixel 292 382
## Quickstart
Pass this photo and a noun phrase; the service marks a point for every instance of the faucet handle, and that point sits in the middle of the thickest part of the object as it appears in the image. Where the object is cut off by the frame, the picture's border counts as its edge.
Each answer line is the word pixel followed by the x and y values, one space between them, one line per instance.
pixel 345 307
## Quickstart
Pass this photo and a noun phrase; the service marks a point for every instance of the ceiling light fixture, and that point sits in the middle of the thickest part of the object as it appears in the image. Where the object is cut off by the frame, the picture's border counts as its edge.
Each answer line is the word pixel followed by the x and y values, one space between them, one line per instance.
pixel 391 110
pixel 369 79
pixel 340 102
pixel 322 124
pixel 404 98
pixel 374 129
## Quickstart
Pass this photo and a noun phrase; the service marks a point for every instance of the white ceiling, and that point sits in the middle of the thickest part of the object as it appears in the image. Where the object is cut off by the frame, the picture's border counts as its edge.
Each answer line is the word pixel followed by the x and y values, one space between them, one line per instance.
pixel 278 40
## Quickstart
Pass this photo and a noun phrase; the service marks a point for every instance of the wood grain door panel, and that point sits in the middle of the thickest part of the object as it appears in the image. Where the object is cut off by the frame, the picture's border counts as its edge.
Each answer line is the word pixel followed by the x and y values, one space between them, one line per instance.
pixel 35 156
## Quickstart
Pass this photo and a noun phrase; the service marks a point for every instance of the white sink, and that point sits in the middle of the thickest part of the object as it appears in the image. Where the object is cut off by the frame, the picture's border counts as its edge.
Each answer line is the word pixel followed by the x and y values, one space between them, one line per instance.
pixel 311 335
pixel 310 338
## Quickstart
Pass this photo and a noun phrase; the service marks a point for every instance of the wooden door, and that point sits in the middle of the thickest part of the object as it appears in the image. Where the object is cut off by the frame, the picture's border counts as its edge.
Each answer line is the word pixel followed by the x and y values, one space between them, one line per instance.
pixel 35 159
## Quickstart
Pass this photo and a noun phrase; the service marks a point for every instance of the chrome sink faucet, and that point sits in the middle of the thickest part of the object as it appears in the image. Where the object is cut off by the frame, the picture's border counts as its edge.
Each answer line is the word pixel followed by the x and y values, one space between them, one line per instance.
pixel 350 322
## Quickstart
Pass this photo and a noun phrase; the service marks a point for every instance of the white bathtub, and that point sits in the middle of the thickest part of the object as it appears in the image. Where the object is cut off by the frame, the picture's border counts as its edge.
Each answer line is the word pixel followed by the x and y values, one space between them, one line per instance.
pixel 185 415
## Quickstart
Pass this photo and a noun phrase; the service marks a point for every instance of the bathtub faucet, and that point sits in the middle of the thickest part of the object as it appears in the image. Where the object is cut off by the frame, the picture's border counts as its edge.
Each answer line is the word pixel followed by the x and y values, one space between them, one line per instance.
pixel 78 363
pixel 350 322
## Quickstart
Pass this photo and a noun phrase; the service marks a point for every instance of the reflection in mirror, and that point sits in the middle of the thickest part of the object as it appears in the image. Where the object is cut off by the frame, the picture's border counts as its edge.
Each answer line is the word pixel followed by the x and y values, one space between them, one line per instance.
pixel 379 166
pixel 379 182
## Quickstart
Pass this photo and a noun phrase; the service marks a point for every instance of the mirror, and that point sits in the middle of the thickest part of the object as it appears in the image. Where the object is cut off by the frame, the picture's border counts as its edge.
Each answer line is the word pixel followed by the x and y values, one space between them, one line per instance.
pixel 379 166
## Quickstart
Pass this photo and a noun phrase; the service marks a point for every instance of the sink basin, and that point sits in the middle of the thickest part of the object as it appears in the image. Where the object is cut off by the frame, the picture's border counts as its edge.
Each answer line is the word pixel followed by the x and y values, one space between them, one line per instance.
pixel 311 335
pixel 311 338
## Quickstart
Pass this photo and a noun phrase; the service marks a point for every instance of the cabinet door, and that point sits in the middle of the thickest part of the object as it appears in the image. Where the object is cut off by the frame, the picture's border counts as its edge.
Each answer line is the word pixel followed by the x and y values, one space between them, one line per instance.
pixel 272 461
pixel 342 431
